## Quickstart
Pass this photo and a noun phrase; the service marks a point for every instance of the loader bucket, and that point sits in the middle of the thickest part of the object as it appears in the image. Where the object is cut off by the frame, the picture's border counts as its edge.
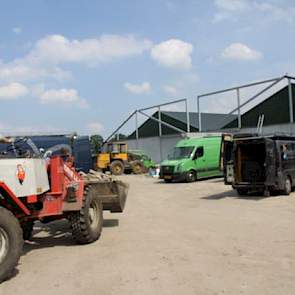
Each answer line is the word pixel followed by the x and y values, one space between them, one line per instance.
pixel 116 202
pixel 113 193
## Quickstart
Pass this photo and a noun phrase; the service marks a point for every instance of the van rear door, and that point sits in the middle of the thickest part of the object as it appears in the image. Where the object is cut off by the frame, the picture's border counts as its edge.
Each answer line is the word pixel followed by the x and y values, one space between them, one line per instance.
pixel 270 162
pixel 226 163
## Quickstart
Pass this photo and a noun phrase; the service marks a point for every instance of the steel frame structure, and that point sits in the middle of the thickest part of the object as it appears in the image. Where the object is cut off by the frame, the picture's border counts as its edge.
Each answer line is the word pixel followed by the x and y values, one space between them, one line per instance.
pixel 142 112
pixel 273 82
pixel 159 121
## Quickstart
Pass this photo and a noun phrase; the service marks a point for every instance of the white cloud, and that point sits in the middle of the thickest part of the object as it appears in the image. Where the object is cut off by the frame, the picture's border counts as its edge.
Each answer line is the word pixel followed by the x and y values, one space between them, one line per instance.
pixel 283 13
pixel 95 127
pixel 13 91
pixel 173 53
pixel 49 53
pixel 239 51
pixel 57 49
pixel 143 88
pixel 64 96
pixel 20 70
pixel 228 9
pixel 170 90
pixel 233 9
pixel 232 5
pixel 17 30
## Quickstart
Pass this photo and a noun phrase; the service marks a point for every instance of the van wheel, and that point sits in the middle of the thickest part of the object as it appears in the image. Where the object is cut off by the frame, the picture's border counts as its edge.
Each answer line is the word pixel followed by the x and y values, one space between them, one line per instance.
pixel 287 186
pixel 191 176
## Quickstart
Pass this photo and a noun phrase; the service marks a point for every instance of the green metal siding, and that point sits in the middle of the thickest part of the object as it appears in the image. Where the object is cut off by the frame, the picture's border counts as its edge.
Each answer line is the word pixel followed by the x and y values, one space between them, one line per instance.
pixel 275 110
pixel 150 127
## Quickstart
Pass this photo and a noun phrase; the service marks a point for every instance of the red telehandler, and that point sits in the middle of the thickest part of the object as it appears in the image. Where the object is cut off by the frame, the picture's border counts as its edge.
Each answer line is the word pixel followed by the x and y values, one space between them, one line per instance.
pixel 47 187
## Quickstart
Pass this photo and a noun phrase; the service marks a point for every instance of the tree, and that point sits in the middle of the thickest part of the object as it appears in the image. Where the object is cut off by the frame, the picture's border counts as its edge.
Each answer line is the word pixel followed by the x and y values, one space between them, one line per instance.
pixel 96 142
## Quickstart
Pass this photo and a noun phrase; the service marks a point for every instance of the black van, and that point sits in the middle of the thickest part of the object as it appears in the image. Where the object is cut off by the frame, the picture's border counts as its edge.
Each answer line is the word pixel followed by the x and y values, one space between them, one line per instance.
pixel 260 163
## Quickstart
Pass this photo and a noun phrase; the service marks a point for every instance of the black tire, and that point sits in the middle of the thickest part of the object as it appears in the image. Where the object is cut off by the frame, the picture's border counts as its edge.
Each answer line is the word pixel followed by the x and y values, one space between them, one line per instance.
pixel 287 186
pixel 117 167
pixel 87 223
pixel 168 180
pixel 137 167
pixel 27 228
pixel 242 191
pixel 191 176
pixel 11 243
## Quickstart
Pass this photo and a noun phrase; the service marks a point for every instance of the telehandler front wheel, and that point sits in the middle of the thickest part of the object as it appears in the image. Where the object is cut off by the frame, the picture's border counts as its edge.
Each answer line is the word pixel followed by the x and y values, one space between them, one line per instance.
pixel 87 223
pixel 117 167
pixel 11 243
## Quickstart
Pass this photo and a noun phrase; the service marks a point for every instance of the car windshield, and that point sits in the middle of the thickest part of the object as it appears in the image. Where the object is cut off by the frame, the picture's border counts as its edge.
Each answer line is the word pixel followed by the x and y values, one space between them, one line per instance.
pixel 182 152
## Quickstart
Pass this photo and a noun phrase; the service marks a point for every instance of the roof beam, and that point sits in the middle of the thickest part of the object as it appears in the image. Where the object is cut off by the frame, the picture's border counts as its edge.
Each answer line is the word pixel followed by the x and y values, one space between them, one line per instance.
pixel 162 122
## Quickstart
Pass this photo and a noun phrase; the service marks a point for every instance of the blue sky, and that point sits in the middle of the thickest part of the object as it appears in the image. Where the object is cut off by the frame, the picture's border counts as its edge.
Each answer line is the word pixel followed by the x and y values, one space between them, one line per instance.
pixel 86 65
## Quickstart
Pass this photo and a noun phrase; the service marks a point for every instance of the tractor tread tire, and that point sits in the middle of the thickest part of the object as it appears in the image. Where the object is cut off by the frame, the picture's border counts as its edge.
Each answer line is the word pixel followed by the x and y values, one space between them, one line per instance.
pixel 81 229
pixel 134 167
pixel 12 228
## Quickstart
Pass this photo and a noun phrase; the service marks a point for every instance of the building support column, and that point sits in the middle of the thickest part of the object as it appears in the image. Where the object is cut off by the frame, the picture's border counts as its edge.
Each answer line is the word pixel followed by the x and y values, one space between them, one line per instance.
pixel 160 121
pixel 136 128
pixel 291 116
pixel 239 109
pixel 199 114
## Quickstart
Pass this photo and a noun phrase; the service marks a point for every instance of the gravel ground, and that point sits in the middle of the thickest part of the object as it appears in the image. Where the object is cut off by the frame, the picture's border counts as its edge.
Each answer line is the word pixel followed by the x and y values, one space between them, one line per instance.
pixel 197 238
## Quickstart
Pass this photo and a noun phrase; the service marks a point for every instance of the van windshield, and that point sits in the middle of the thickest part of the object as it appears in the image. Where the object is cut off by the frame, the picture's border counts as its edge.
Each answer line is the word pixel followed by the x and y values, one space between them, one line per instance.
pixel 182 152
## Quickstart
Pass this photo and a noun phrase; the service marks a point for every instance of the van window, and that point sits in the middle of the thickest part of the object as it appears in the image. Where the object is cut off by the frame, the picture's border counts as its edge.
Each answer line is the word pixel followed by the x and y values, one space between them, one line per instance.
pixel 182 152
pixel 199 152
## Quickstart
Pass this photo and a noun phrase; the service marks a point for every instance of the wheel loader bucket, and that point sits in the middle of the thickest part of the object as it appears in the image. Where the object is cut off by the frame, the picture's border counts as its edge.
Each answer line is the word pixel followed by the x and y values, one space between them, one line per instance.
pixel 113 193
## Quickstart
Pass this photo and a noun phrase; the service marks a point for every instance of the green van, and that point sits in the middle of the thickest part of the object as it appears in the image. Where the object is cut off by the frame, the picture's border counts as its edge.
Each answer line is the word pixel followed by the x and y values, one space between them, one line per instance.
pixel 193 158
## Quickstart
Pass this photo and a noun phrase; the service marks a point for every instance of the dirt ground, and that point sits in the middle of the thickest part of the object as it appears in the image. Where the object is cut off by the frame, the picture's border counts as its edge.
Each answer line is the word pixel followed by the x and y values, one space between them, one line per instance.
pixel 197 238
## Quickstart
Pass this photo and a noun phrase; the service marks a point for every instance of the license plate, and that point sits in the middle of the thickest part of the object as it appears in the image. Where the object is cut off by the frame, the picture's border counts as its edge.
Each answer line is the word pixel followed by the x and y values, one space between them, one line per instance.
pixel 167 177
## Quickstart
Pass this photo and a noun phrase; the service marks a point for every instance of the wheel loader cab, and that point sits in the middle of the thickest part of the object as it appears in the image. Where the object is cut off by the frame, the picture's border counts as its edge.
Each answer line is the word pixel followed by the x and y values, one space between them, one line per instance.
pixel 113 158
pixel 118 151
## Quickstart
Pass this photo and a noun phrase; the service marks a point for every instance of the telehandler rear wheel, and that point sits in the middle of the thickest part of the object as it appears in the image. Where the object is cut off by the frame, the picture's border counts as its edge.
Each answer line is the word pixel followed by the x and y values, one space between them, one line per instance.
pixel 11 243
pixel 87 223
pixel 117 167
